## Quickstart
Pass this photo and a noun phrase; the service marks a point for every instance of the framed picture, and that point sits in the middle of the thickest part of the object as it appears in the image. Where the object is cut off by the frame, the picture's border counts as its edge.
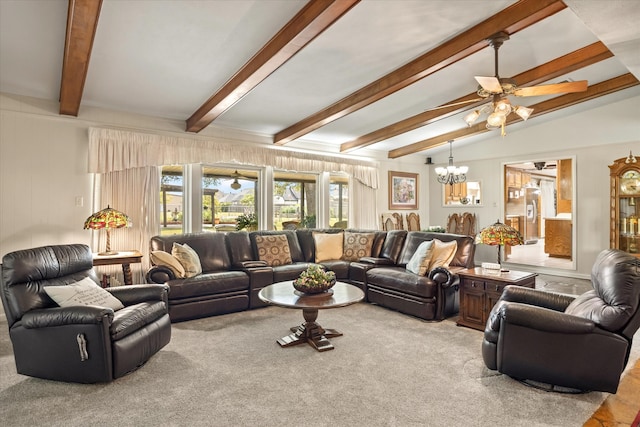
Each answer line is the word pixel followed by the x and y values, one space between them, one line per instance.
pixel 403 190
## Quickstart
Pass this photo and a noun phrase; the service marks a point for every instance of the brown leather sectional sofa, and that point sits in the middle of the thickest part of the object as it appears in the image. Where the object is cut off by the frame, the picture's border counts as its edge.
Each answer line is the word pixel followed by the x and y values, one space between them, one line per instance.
pixel 233 274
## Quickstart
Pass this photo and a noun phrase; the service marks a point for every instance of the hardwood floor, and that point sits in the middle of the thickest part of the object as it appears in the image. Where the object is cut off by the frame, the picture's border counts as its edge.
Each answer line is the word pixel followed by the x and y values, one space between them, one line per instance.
pixel 622 408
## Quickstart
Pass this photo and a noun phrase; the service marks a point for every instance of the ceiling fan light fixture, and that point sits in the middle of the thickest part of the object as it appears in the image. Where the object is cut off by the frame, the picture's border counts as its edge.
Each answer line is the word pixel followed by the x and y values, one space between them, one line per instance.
pixel 235 184
pixel 503 107
pixel 496 120
pixel 472 117
pixel 523 112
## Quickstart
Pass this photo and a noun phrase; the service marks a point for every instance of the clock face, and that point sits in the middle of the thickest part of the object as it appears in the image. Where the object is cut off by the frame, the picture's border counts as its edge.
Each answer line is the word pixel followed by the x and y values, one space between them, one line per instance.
pixel 630 183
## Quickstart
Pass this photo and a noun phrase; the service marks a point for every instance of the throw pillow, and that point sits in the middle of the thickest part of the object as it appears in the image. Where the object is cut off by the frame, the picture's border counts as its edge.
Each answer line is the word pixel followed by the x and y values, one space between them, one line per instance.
pixel 443 253
pixel 83 292
pixel 419 262
pixel 167 260
pixel 328 246
pixel 357 245
pixel 273 249
pixel 188 258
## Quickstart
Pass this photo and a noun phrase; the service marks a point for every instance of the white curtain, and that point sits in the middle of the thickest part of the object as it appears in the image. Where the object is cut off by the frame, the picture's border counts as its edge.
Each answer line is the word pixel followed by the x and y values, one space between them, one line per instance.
pixel 127 165
pixel 135 192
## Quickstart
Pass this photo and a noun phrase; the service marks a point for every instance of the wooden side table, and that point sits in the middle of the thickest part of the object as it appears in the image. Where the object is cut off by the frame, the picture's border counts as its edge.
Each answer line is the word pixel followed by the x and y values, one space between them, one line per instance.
pixel 126 258
pixel 480 290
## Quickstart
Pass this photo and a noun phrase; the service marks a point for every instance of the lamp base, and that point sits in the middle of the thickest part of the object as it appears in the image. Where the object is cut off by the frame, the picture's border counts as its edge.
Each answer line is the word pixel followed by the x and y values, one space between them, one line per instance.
pixel 108 253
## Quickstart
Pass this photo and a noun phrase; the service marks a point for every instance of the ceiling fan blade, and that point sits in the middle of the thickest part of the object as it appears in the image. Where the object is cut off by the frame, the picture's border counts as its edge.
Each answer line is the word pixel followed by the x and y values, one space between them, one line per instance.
pixel 490 84
pixel 453 104
pixel 569 87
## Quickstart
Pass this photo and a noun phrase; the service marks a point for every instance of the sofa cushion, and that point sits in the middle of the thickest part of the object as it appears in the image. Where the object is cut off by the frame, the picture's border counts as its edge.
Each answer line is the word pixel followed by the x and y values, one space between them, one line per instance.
pixel 188 258
pixel 273 249
pixel 400 280
pixel 328 246
pixel 443 253
pixel 83 292
pixel 167 260
pixel 219 282
pixel 421 259
pixel 131 318
pixel 357 245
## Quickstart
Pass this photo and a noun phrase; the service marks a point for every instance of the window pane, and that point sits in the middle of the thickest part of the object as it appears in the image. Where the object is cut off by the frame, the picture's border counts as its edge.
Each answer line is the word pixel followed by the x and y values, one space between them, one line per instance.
pixel 294 201
pixel 171 200
pixel 338 201
pixel 226 195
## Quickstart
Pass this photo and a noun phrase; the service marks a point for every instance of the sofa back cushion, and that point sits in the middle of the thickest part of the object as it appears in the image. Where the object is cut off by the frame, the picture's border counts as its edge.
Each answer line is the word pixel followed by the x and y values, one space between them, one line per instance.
pixel 463 256
pixel 614 301
pixel 273 249
pixel 239 247
pixel 25 273
pixel 210 247
pixel 392 246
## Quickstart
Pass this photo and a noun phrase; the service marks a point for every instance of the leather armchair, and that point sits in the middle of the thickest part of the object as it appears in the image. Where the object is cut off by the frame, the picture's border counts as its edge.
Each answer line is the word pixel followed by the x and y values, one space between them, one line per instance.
pixel 84 344
pixel 580 343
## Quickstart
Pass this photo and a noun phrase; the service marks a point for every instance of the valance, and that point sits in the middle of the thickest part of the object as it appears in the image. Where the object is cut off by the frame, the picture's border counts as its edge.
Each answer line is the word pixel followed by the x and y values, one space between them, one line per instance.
pixel 113 150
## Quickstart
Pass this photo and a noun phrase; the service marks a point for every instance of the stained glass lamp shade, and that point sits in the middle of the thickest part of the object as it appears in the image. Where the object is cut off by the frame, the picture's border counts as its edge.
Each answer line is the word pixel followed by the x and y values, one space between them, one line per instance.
pixel 499 234
pixel 107 218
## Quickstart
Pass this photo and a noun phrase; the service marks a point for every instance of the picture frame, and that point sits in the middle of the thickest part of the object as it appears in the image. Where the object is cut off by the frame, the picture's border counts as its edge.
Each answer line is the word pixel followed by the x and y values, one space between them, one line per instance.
pixel 403 190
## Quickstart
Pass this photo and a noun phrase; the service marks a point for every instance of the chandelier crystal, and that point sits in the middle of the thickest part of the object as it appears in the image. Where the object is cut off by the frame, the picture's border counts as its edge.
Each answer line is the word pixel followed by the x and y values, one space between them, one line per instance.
pixel 451 174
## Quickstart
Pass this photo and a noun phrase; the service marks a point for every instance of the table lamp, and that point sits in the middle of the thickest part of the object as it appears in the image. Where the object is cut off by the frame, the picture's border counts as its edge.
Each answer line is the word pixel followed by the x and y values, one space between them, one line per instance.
pixel 107 218
pixel 499 234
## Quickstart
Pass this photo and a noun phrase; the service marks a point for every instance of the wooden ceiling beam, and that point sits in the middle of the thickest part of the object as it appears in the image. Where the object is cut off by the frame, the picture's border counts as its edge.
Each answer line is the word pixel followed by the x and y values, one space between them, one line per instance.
pixel 577 59
pixel 82 23
pixel 312 20
pixel 512 19
pixel 597 90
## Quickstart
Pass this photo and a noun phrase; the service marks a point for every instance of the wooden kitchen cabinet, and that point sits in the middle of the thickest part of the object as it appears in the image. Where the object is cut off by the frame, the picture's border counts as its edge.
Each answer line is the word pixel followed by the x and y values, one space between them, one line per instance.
pixel 480 290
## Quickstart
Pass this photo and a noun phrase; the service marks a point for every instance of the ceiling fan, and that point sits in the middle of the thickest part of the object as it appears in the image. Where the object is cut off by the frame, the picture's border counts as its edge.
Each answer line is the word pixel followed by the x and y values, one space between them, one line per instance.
pixel 498 89
pixel 236 176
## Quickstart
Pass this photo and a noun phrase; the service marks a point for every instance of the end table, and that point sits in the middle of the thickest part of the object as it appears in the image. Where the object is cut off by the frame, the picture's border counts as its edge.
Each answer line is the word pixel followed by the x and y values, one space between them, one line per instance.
pixel 480 290
pixel 126 258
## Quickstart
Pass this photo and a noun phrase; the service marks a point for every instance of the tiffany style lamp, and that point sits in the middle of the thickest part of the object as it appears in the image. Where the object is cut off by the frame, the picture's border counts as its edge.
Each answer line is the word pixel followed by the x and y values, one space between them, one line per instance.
pixel 107 218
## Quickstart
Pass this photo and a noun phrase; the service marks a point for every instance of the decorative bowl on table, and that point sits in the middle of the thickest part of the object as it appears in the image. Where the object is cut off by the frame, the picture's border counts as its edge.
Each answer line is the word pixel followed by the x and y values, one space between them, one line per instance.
pixel 314 280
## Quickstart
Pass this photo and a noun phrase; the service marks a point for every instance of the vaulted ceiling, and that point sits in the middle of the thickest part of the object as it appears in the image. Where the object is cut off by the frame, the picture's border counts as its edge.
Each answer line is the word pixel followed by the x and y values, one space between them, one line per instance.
pixel 346 75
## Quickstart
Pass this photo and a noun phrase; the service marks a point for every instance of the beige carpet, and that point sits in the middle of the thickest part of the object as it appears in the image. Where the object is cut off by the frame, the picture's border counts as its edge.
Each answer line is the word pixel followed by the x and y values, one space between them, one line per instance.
pixel 388 369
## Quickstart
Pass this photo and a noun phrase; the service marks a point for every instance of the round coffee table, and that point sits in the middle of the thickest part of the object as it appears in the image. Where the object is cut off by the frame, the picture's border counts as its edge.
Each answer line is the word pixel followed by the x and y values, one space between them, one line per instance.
pixel 283 294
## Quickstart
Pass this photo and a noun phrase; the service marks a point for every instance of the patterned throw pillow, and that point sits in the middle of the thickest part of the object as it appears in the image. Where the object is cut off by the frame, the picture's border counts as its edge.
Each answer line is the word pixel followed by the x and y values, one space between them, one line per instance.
pixel 328 246
pixel 419 262
pixel 443 253
pixel 188 258
pixel 273 249
pixel 167 260
pixel 357 245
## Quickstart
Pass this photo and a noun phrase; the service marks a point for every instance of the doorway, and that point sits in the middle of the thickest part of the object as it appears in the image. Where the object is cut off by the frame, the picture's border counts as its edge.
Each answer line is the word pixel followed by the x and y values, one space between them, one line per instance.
pixel 538 197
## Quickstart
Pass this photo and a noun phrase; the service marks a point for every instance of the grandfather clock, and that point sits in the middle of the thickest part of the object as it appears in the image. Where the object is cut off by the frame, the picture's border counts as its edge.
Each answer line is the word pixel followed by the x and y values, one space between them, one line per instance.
pixel 625 205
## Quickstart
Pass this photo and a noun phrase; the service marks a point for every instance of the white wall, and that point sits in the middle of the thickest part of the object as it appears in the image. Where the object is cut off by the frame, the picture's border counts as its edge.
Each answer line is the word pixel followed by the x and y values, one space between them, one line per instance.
pixel 595 137
pixel 43 163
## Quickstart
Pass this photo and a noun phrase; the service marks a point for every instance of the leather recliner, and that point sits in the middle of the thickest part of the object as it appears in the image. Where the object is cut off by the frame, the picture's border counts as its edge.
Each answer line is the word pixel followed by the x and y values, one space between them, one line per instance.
pixel 84 344
pixel 580 343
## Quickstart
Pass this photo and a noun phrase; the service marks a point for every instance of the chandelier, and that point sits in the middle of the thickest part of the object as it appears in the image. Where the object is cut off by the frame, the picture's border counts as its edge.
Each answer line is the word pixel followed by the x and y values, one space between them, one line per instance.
pixel 452 174
pixel 497 111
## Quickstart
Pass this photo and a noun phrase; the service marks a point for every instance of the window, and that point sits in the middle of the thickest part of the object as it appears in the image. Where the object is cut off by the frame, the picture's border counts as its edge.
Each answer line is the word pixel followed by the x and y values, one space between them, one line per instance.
pixel 227 194
pixel 338 201
pixel 171 200
pixel 294 200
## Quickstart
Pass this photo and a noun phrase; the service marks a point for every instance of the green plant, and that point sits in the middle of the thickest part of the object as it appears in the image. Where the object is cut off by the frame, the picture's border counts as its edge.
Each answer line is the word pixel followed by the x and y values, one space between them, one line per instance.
pixel 314 279
pixel 248 221
pixel 309 221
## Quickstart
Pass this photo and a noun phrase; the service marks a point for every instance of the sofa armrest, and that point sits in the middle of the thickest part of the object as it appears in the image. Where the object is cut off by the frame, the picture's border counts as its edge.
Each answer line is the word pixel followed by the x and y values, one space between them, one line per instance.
pixel 134 294
pixel 535 297
pixel 376 261
pixel 444 277
pixel 249 264
pixel 159 274
pixel 61 316
pixel 539 319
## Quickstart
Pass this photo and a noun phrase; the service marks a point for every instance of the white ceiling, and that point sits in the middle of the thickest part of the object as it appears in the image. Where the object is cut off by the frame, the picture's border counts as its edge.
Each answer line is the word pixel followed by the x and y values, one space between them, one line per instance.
pixel 166 58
